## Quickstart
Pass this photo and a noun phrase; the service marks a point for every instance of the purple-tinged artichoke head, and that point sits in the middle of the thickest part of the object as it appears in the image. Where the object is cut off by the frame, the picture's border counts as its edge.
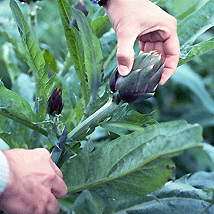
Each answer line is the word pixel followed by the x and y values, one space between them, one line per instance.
pixel 55 105
pixel 141 81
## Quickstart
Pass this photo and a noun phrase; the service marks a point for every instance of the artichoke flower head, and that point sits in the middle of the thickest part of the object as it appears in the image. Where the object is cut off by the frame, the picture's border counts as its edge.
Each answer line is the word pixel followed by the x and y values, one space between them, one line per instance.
pixel 54 104
pixel 141 81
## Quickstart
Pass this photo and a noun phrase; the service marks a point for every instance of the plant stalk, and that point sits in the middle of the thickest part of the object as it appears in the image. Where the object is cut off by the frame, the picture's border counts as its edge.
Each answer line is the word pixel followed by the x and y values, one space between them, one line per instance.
pixel 32 13
pixel 92 120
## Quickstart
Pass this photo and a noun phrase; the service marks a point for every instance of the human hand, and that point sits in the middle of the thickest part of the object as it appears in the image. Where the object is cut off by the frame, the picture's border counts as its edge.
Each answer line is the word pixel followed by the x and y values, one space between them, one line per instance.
pixel 35 183
pixel 154 28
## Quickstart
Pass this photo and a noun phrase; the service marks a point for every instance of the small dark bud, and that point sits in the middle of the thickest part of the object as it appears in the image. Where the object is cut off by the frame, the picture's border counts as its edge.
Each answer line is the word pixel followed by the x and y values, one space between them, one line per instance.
pixel 55 105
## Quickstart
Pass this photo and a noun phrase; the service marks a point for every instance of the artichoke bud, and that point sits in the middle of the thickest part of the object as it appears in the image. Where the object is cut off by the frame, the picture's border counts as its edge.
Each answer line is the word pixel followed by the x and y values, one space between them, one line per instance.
pixel 54 104
pixel 141 81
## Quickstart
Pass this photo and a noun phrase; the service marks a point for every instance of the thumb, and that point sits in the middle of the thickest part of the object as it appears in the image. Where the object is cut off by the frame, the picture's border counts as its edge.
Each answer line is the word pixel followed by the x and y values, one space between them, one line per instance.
pixel 125 54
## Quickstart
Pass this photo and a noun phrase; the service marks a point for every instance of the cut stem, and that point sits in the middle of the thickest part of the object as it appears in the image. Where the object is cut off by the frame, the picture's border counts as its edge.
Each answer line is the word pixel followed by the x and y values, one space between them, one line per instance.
pixel 92 120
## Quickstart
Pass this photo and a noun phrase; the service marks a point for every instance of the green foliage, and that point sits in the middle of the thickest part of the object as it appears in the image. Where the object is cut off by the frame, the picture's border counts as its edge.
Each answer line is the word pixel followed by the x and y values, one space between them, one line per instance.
pixel 92 54
pixel 197 50
pixel 74 46
pixel 16 108
pixel 126 169
pixel 118 158
pixel 177 197
pixel 34 56
pixel 197 23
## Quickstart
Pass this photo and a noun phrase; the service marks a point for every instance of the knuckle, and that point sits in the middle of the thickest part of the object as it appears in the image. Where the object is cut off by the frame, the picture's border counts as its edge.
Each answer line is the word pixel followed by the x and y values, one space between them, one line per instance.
pixel 179 53
pixel 173 23
pixel 65 189
pixel 56 208
pixel 42 151
pixel 52 205
pixel 52 176
pixel 125 55
pixel 122 56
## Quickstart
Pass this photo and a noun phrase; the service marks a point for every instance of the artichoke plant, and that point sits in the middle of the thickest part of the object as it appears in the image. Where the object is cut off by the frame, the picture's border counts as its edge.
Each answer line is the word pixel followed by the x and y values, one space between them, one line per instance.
pixel 141 81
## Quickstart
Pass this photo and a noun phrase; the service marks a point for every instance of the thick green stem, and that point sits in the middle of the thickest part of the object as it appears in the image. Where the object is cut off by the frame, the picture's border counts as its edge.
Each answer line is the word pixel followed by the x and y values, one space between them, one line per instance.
pixel 92 120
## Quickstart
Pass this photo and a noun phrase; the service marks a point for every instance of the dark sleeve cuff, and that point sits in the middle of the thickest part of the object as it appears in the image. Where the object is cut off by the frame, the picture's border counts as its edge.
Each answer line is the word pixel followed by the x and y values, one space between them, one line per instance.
pixel 100 2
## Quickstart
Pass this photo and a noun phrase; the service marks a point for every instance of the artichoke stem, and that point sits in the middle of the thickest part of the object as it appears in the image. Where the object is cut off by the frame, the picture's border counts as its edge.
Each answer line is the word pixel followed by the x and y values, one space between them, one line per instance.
pixel 92 120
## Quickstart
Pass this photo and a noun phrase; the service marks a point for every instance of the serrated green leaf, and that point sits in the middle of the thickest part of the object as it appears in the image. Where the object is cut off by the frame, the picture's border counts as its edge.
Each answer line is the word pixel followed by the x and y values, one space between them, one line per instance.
pixel 75 46
pixel 127 156
pixel 18 109
pixel 34 55
pixel 92 53
pixel 49 84
pixel 28 38
pixel 50 60
pixel 101 25
pixel 189 52
pixel 196 23
pixel 15 105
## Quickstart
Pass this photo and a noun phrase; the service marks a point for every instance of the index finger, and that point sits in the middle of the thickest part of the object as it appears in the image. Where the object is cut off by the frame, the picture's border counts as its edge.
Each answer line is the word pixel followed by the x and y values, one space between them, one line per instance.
pixel 59 188
pixel 56 169
pixel 172 54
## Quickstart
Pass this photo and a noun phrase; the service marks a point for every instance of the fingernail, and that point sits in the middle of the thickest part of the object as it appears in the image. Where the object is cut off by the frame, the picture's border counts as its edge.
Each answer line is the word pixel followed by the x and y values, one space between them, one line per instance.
pixel 123 70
